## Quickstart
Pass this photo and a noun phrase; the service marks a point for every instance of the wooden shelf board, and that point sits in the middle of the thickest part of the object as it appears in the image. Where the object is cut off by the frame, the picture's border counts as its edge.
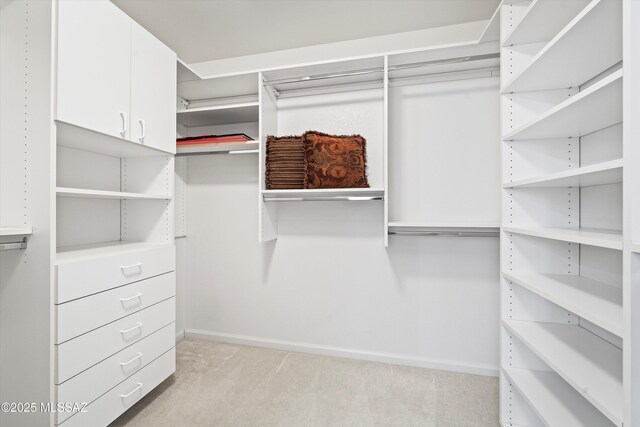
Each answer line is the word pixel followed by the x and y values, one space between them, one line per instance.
pixel 323 194
pixel 101 194
pixel 67 254
pixel 72 136
pixel 15 231
pixel 594 301
pixel 595 108
pixel 611 239
pixel 588 363
pixel 217 148
pixel 598 174
pixel 246 112
pixel 562 62
pixel 555 401
pixel 543 20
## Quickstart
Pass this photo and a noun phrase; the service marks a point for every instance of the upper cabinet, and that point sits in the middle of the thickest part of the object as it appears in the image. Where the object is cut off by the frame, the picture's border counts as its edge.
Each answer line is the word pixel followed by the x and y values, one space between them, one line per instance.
pixel 153 91
pixel 94 66
pixel 114 77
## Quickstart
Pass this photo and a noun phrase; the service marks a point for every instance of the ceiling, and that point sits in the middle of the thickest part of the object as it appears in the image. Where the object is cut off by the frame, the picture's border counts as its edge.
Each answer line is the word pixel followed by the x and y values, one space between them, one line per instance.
pixel 203 30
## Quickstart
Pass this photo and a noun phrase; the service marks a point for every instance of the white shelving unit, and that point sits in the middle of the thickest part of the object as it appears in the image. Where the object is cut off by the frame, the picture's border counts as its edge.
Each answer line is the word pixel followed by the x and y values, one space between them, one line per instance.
pixel 564 299
pixel 562 63
pixel 221 148
pixel 15 231
pixel 595 301
pixel 555 401
pixel 588 363
pixel 100 194
pixel 595 108
pixel 542 20
pixel 609 239
pixel 324 194
pixel 598 174
pixel 245 112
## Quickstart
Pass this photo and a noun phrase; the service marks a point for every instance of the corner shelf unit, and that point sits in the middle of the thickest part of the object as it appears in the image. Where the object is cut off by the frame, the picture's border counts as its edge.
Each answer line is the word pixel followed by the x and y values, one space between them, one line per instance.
pixel 563 285
pixel 563 62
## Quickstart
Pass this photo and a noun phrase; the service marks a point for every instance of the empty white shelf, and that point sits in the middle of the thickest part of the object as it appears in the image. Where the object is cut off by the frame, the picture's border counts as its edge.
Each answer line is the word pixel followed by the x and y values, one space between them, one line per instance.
pixel 15 231
pixel 598 174
pixel 219 148
pixel 67 254
pixel 595 108
pixel 80 138
pixel 323 194
pixel 611 239
pixel 245 112
pixel 594 301
pixel 543 20
pixel 588 363
pixel 101 194
pixel 553 400
pixel 562 63
pixel 635 247
pixel 444 229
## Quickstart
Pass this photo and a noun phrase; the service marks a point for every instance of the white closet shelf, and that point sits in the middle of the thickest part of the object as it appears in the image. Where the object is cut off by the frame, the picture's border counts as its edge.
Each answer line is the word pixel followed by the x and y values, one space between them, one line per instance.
pixel 15 231
pixel 231 148
pixel 610 239
pixel 562 62
pixel 543 20
pixel 635 247
pixel 72 136
pixel 598 174
pixel 323 194
pixel 595 108
pixel 461 229
pixel 101 194
pixel 245 112
pixel 588 363
pixel 555 401
pixel 594 301
pixel 68 254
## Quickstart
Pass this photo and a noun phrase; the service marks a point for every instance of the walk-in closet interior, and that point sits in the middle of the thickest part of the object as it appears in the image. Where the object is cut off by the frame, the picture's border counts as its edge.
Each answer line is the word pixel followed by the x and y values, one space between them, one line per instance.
pixel 214 223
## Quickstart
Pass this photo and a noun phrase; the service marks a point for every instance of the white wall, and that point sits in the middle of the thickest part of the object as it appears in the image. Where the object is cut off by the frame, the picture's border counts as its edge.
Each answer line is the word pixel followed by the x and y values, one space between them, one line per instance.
pixel 327 284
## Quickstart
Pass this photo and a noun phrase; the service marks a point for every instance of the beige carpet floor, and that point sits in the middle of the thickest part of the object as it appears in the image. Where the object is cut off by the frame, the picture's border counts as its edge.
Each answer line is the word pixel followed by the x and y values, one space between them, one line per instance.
pixel 218 384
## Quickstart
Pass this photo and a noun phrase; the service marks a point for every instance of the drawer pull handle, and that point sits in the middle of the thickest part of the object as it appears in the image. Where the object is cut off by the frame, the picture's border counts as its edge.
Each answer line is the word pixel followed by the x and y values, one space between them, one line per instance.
pixel 126 331
pixel 138 295
pixel 132 360
pixel 124 396
pixel 124 269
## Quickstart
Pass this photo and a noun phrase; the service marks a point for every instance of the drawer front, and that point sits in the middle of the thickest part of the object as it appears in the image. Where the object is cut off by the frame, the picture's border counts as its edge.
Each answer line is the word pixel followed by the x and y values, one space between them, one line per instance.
pixel 85 314
pixel 89 276
pixel 95 381
pixel 120 398
pixel 78 354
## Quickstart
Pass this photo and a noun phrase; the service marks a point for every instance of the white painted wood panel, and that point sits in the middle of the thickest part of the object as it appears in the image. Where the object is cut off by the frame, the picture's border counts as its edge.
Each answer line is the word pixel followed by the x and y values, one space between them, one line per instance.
pixel 153 91
pixel 94 48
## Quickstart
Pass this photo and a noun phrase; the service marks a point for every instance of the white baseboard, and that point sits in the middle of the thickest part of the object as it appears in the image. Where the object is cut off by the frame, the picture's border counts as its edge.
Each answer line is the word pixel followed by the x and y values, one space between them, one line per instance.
pixel 180 335
pixel 396 359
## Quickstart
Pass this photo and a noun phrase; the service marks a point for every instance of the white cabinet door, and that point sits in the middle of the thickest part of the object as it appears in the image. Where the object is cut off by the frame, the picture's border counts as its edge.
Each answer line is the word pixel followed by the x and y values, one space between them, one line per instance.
pixel 153 91
pixel 94 54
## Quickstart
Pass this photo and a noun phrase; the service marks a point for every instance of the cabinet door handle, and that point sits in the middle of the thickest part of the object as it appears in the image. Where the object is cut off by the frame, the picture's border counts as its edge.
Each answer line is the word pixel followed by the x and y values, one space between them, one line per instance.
pixel 138 295
pixel 123 116
pixel 126 331
pixel 141 138
pixel 123 364
pixel 124 268
pixel 124 396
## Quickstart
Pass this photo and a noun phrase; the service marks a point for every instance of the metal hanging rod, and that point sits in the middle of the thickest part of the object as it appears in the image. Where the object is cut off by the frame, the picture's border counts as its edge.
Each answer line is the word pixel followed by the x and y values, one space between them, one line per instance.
pixel 14 245
pixel 209 153
pixel 380 69
pixel 321 199
pixel 448 231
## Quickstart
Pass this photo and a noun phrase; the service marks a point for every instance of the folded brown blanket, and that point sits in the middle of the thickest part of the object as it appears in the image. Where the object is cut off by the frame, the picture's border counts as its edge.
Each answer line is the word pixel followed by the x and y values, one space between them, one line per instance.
pixel 286 166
